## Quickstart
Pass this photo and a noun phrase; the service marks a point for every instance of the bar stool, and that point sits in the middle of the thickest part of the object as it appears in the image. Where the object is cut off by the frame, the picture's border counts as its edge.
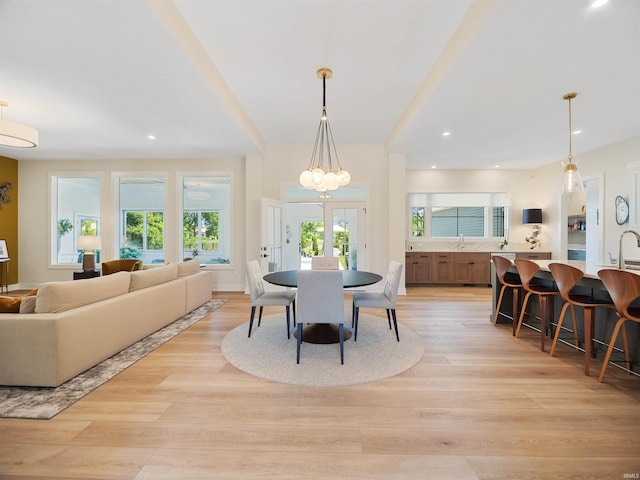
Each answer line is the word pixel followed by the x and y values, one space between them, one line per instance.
pixel 566 277
pixel 527 270
pixel 624 288
pixel 503 265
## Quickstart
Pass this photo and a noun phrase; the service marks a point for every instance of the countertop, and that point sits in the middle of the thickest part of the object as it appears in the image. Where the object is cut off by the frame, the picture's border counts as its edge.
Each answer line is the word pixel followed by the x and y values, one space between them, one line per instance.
pixel 590 269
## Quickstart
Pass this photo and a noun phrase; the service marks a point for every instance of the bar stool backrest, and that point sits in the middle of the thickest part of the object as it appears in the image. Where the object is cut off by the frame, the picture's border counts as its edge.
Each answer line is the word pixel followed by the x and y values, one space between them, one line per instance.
pixel 503 265
pixel 527 270
pixel 566 277
pixel 624 288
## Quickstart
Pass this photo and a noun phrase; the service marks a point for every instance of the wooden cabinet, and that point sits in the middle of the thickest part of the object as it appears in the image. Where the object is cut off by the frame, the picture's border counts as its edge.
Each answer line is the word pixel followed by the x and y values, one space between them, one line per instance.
pixel 418 267
pixel 534 255
pixel 457 268
pixel 471 268
pixel 442 268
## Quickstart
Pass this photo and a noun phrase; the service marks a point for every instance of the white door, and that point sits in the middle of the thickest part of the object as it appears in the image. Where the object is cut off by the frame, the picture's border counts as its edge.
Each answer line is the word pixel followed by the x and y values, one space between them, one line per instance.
pixel 272 233
pixel 332 229
pixel 347 235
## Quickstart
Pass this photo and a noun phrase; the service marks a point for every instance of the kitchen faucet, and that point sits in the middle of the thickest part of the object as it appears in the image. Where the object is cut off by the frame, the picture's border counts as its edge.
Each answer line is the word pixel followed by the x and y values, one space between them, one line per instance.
pixel 620 257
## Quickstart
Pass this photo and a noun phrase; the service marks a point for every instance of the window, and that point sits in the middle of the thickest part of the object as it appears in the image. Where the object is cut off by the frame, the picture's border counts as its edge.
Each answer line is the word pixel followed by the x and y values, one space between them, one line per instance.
pixel 417 221
pixel 76 211
pixel 206 218
pixel 456 221
pixel 201 231
pixel 141 222
pixel 144 230
pixel 449 215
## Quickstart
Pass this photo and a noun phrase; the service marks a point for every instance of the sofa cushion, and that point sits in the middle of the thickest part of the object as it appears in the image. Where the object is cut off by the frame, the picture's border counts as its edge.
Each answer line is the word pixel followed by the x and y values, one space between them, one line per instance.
pixel 189 267
pixel 153 276
pixel 28 304
pixel 55 297
pixel 10 304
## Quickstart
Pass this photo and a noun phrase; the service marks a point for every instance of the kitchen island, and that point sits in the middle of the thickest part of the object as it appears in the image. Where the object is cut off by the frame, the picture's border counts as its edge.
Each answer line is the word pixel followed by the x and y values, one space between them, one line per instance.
pixel 605 319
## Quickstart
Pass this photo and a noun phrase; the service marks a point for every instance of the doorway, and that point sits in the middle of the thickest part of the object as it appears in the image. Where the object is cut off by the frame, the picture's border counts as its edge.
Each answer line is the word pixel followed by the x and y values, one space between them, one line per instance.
pixel 335 229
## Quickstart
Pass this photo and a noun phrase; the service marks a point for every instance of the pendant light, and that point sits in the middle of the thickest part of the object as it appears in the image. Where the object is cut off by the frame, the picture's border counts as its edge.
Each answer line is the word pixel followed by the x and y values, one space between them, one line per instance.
pixel 315 177
pixel 571 181
pixel 14 134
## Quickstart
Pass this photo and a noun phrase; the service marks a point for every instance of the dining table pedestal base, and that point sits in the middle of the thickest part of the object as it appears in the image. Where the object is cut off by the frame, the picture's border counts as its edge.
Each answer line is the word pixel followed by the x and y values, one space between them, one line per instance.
pixel 323 333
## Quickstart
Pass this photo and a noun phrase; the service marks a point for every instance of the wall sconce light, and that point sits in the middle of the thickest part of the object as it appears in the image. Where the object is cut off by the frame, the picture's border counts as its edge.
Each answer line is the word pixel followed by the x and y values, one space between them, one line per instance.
pixel 533 216
pixel 89 244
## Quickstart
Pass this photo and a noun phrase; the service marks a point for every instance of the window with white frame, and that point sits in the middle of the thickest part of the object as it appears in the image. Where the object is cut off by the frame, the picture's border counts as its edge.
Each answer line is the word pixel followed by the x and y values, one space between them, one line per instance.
pixel 142 224
pixel 449 215
pixel 75 211
pixel 206 218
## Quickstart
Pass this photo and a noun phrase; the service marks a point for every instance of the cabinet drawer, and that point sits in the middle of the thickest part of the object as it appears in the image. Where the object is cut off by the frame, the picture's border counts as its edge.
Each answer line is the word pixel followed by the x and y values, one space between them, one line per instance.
pixel 534 256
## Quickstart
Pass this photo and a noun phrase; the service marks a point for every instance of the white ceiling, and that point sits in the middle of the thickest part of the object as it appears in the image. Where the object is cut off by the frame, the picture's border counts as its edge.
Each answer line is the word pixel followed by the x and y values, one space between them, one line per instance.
pixel 225 78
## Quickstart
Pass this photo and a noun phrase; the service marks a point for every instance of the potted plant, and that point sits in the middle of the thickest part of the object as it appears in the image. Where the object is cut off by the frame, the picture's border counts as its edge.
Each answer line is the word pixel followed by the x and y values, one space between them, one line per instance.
pixel 64 226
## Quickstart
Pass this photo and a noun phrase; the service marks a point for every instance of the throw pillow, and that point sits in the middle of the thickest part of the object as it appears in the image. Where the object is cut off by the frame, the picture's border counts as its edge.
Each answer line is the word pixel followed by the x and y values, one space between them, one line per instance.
pixel 28 304
pixel 188 267
pixel 10 304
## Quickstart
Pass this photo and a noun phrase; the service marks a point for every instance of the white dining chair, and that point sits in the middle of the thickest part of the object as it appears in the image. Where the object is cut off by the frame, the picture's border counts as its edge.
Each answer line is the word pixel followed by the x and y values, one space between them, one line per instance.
pixel 320 300
pixel 385 299
pixel 261 298
pixel 325 263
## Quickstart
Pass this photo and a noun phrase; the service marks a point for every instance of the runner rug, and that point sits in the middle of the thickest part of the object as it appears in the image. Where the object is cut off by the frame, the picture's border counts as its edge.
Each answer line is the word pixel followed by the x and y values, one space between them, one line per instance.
pixel 46 402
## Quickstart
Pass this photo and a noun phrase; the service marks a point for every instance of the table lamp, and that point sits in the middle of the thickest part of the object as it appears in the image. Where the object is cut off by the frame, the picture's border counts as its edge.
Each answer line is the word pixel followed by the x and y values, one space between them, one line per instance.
pixel 89 244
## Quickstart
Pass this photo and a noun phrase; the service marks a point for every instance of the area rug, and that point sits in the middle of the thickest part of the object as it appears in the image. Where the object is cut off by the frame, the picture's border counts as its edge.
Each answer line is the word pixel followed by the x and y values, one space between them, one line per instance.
pixel 375 356
pixel 45 403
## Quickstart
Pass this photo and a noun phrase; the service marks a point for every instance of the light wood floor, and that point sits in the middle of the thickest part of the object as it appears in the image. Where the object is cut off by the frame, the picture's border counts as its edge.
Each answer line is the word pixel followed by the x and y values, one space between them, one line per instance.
pixel 479 405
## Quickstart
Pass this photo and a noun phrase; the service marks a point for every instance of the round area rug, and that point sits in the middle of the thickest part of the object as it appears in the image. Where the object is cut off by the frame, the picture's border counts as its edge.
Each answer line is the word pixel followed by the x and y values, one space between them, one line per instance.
pixel 375 356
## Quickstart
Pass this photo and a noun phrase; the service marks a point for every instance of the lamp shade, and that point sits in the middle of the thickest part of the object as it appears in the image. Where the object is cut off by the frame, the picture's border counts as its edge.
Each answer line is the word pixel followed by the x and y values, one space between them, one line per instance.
pixel 89 242
pixel 14 134
pixel 532 215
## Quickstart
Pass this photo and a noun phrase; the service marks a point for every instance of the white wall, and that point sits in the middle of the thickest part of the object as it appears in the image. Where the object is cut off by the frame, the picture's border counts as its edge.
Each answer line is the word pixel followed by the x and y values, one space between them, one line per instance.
pixel 613 163
pixel 386 186
pixel 34 218
pixel 541 188
pixel 368 166
pixel 522 185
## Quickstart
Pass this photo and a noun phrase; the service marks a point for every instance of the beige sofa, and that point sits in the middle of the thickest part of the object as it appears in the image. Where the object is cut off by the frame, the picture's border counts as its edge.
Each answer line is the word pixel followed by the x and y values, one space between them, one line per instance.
pixel 77 324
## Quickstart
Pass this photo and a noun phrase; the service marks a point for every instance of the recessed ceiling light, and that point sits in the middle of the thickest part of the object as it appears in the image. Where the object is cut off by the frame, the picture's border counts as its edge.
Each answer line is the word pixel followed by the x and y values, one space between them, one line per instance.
pixel 433 166
pixel 151 137
pixel 577 132
pixel 446 134
pixel 598 3
pixel 497 166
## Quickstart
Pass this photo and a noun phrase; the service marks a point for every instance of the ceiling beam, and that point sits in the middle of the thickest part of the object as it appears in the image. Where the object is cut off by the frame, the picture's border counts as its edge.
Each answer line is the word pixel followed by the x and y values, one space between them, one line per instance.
pixel 468 27
pixel 182 33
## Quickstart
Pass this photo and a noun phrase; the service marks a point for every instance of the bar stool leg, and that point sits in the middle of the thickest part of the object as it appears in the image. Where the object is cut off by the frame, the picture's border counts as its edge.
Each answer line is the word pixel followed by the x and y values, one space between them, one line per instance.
pixel 559 328
pixel 588 338
pixel 543 320
pixel 514 302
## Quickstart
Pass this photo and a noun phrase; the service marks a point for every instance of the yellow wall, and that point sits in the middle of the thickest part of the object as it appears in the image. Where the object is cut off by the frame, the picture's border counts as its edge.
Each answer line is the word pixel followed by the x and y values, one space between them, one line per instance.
pixel 9 215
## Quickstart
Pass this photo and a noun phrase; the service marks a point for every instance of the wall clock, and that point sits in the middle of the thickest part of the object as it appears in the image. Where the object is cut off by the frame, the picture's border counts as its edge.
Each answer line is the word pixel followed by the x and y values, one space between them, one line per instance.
pixel 622 210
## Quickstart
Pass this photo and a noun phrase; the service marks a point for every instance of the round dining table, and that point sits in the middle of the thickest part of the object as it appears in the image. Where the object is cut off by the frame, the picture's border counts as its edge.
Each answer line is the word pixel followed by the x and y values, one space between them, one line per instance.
pixel 324 332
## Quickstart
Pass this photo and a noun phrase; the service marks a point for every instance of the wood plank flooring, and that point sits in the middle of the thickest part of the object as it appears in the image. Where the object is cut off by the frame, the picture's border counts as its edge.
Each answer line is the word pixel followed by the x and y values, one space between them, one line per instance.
pixel 479 405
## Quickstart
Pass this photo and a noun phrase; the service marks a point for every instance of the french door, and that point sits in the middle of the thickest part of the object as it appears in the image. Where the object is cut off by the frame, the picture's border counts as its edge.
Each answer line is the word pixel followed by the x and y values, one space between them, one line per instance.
pixel 332 229
pixel 272 232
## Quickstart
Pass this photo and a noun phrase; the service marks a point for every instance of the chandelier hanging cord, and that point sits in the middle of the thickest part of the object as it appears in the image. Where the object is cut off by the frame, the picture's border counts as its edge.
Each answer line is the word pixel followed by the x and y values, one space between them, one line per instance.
pixel 315 177
pixel 569 97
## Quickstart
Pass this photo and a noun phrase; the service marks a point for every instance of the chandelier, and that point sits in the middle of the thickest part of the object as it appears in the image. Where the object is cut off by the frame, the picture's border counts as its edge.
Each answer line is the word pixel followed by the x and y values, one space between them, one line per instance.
pixel 571 181
pixel 315 177
pixel 14 134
